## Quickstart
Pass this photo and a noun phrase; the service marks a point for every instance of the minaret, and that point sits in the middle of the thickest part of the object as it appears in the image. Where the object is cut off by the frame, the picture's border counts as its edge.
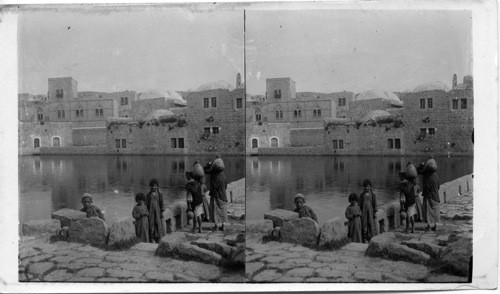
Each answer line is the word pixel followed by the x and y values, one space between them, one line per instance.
pixel 454 83
pixel 238 80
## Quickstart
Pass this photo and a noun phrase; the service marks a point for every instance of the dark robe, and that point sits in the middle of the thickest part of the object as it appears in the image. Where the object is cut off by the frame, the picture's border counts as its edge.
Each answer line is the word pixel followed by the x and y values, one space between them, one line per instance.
pixel 140 214
pixel 353 214
pixel 306 211
pixel 368 206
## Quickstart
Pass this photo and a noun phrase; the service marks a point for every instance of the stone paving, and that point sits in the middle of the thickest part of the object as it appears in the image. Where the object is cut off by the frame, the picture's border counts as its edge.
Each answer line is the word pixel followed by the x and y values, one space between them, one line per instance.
pixel 284 262
pixel 42 261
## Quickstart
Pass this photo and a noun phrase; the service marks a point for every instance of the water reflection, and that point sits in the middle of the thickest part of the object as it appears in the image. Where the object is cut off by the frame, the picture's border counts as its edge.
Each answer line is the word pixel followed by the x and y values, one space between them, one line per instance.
pixel 273 181
pixel 49 183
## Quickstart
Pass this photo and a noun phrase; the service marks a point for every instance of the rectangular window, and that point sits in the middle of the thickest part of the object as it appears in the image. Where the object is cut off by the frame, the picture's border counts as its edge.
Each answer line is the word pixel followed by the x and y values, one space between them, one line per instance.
pixel 117 143
pixel 126 100
pixel 206 103
pixel 215 130
pixel 341 144
pixel 181 143
pixel 277 93
pixel 97 112
pixel 390 144
pixel 40 117
pixel 214 102
pixel 432 131
pixel 207 131
pixel 423 132
pixel 341 101
pixel 463 103
pixel 239 103
pixel 397 143
pixel 59 93
pixel 101 112
pixel 122 101
pixel 335 144
pixel 124 143
pixel 454 104
pixel 422 103
pixel 173 143
pixel 258 117
pixel 429 102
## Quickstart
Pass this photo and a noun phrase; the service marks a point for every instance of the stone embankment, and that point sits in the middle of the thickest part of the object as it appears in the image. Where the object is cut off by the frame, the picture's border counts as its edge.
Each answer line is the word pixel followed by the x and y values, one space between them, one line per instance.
pixel 70 247
pixel 393 256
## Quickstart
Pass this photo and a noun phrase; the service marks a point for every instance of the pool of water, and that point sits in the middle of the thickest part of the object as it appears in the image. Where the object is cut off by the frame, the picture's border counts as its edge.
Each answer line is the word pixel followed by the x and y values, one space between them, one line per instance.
pixel 326 181
pixel 49 183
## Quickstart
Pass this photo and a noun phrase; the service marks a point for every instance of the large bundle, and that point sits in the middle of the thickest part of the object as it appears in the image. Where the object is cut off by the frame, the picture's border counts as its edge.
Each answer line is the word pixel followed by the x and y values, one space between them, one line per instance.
pixel 411 171
pixel 218 165
pixel 430 165
pixel 198 172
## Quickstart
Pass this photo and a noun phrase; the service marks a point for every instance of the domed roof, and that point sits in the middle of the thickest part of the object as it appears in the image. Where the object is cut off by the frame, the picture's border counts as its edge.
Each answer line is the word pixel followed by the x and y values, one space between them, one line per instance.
pixel 374 114
pixel 374 94
pixel 157 113
pixel 215 85
pixel 431 86
pixel 167 94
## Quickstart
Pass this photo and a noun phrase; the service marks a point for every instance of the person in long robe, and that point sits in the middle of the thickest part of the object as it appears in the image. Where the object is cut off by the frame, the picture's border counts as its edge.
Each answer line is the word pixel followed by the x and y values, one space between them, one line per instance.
pixel 218 197
pixel 418 200
pixel 302 209
pixel 353 215
pixel 368 206
pixel 155 205
pixel 431 199
pixel 140 214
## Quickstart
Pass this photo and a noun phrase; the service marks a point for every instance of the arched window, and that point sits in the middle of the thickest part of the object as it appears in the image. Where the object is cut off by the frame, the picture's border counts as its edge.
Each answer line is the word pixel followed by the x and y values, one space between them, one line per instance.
pixel 56 142
pixel 77 113
pixel 255 143
pixel 319 112
pixel 314 112
pixel 281 114
pixel 277 114
pixel 101 112
pixel 295 113
pixel 36 143
pixel 96 112
pixel 300 113
pixel 274 142
pixel 81 112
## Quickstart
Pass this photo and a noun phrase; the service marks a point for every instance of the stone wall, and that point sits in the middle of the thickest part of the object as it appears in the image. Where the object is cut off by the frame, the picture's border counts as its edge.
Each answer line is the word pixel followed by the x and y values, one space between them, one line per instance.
pixel 310 150
pixel 95 136
pixel 226 116
pixel 363 140
pixel 146 139
pixel 264 132
pixel 307 137
pixel 358 109
pixel 74 150
pixel 451 126
pixel 141 108
pixel 29 131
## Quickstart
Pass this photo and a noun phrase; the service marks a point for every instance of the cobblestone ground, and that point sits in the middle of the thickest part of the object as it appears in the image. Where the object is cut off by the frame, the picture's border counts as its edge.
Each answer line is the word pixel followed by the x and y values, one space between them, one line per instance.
pixel 283 262
pixel 42 261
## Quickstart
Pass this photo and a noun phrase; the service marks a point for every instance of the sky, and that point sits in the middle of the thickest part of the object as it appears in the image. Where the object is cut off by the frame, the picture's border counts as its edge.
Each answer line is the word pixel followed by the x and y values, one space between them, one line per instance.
pixel 357 50
pixel 139 48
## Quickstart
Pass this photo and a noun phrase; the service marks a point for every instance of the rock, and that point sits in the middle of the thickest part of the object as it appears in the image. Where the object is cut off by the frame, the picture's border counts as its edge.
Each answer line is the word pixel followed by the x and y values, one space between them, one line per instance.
pixel 252 267
pixel 160 276
pixel 168 244
pixel 121 230
pixel 301 272
pixel 429 248
pixel 224 250
pixel 332 231
pixel 67 216
pixel 91 272
pixel 368 276
pixel 238 256
pixel 41 227
pixel 275 234
pixel 457 256
pixel 39 268
pixel 280 216
pixel 261 227
pixel 303 231
pixel 379 243
pixel 63 233
pixel 266 276
pixel 404 253
pixel 91 230
pixel 192 252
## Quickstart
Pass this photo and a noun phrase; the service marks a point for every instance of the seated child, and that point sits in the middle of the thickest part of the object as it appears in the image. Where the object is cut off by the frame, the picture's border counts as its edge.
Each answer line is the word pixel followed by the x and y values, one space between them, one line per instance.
pixel 91 210
pixel 302 209
pixel 353 214
pixel 140 214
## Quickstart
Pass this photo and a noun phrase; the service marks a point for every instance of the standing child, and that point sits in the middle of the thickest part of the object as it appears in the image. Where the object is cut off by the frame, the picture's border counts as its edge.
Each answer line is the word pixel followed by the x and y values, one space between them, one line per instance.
pixel 302 209
pixel 410 206
pixel 140 214
pixel 154 203
pixel 353 214
pixel 89 209
pixel 195 190
pixel 368 206
pixel 189 196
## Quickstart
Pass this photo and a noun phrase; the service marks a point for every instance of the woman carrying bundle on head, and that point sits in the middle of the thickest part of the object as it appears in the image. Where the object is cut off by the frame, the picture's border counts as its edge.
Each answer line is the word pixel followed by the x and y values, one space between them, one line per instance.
pixel 218 198
pixel 195 191
pixel 431 195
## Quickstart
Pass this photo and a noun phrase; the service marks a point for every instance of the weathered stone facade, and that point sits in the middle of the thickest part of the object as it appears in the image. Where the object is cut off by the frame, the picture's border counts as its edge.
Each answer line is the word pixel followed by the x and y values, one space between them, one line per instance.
pixel 93 136
pixel 216 128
